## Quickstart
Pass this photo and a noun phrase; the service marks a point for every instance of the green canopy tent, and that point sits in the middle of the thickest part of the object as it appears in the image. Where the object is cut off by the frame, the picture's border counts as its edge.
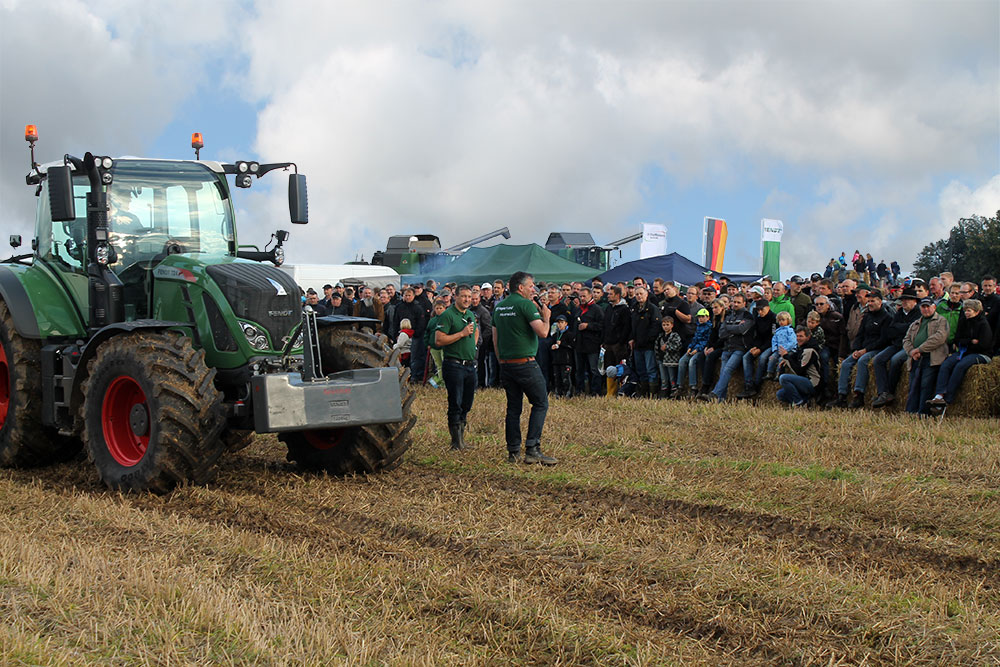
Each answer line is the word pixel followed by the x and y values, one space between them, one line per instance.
pixel 478 265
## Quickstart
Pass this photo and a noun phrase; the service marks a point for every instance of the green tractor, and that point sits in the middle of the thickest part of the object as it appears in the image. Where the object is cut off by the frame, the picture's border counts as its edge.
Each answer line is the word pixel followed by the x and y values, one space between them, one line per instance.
pixel 139 330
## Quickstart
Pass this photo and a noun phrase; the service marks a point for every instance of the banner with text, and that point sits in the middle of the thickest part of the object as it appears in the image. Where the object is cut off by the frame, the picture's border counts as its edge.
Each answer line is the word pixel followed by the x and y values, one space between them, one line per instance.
pixel 654 240
pixel 770 247
pixel 714 243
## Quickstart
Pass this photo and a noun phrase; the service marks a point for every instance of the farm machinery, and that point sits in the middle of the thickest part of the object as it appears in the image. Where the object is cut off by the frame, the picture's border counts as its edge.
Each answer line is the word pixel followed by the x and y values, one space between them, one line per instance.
pixel 139 330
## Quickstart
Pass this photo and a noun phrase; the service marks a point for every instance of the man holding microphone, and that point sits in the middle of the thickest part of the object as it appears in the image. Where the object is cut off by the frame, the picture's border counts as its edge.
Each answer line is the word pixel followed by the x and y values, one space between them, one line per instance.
pixel 518 322
pixel 456 334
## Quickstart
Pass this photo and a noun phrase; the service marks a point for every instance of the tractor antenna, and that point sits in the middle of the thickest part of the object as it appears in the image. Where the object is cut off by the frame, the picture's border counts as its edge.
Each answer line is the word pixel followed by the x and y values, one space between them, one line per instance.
pixel 197 144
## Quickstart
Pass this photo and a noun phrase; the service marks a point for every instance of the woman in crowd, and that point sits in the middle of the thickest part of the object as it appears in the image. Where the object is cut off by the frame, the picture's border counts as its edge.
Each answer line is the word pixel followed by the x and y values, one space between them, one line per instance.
pixel 973 344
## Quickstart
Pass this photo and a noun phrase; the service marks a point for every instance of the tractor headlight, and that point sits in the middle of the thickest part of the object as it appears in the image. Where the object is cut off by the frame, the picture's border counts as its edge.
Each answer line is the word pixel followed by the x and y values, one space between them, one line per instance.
pixel 279 256
pixel 255 336
pixel 101 253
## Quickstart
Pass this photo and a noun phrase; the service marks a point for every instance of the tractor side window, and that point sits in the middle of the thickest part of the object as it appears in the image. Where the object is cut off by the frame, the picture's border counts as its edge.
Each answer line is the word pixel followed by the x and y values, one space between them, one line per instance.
pixel 63 243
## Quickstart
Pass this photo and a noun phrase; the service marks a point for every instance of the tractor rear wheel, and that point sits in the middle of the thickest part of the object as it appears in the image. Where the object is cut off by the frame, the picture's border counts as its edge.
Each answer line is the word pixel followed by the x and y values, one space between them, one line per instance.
pixel 359 449
pixel 24 441
pixel 152 415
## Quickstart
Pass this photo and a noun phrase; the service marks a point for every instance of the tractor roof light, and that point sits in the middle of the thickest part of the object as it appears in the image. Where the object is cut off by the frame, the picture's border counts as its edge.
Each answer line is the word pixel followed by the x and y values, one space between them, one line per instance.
pixel 30 133
pixel 197 144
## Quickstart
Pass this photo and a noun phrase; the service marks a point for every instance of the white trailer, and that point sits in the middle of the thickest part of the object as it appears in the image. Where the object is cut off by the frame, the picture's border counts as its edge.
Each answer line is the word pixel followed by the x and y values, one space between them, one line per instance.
pixel 317 275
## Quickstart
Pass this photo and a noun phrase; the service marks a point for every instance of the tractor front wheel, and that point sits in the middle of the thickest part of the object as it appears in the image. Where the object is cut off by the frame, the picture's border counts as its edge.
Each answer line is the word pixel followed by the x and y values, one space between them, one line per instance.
pixel 152 415
pixel 359 449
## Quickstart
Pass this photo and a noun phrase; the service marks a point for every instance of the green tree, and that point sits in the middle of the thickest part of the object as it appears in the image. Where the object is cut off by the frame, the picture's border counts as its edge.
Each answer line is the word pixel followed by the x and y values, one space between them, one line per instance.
pixel 971 250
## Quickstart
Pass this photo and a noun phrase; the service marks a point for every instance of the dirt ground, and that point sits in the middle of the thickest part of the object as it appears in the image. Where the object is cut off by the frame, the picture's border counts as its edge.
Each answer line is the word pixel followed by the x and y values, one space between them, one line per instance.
pixel 669 533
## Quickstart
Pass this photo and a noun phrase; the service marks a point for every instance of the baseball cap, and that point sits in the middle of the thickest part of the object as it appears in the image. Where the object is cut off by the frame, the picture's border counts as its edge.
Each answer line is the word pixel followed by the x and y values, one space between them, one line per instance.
pixel 486 285
pixel 815 276
pixel 763 303
pixel 703 312
pixel 706 273
pixel 926 302
pixel 875 293
pixel 562 317
pixel 798 280
pixel 339 284
pixel 757 289
pixel 335 295
pixel 864 285
pixel 328 286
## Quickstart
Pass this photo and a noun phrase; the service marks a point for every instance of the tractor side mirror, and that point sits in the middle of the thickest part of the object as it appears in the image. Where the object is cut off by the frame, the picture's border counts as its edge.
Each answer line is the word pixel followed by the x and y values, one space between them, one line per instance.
pixel 61 201
pixel 15 240
pixel 298 203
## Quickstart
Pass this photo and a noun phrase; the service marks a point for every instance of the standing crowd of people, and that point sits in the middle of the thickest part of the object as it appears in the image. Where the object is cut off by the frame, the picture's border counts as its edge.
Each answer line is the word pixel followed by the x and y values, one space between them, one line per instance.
pixel 661 339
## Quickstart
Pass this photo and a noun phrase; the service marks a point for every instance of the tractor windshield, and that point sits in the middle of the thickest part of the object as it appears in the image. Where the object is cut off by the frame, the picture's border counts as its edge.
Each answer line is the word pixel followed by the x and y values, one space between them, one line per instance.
pixel 161 207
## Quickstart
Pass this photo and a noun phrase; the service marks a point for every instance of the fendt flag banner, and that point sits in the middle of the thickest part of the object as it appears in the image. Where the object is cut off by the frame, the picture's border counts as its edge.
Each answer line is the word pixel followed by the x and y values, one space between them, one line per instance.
pixel 770 247
pixel 713 246
pixel 654 240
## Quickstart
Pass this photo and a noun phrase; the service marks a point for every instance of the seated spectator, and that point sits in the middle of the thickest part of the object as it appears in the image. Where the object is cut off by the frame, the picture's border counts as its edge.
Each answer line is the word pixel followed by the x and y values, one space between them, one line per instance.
pixel 888 363
pixel 926 342
pixel 736 334
pixel 764 325
pixel 973 345
pixel 799 375
pixel 713 351
pixel 869 342
pixel 687 368
pixel 950 309
pixel 784 336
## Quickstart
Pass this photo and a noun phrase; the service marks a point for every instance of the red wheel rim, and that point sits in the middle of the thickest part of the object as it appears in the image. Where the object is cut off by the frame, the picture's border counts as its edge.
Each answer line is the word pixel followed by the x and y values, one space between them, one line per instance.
pixel 326 438
pixel 122 415
pixel 4 386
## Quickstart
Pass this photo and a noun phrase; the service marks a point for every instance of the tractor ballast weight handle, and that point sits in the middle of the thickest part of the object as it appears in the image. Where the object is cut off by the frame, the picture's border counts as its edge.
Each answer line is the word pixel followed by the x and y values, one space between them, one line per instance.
pixel 106 304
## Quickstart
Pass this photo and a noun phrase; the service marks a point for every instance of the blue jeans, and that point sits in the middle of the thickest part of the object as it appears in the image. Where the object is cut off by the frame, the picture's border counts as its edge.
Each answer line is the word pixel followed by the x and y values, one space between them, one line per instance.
pixel 824 366
pixel 518 381
pixel 844 381
pixel 460 380
pixel 645 366
pixel 588 369
pixel 953 371
pixel 795 389
pixel 544 359
pixel 687 369
pixel 752 378
pixel 731 360
pixel 418 359
pixel 923 377
pixel 894 357
pixel 668 376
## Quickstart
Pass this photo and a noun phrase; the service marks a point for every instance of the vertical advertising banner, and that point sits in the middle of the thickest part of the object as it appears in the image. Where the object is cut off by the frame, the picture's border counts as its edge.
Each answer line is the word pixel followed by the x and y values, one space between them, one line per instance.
pixel 770 247
pixel 654 240
pixel 714 243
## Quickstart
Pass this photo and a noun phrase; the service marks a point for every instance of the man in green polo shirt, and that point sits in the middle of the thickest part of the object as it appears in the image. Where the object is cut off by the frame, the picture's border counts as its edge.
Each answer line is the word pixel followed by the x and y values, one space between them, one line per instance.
pixel 456 334
pixel 518 322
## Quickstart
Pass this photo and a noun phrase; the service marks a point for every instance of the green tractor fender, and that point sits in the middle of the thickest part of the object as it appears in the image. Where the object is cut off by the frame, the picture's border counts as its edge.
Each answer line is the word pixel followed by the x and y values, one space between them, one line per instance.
pixel 39 304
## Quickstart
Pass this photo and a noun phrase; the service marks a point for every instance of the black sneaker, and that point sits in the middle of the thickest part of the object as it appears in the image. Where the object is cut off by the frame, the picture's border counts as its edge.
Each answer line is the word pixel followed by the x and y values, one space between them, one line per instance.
pixel 858 401
pixel 839 402
pixel 534 455
pixel 514 457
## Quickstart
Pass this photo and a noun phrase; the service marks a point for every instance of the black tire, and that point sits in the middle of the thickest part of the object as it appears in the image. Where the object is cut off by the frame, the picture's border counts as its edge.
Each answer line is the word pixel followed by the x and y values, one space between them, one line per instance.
pixel 360 449
pixel 152 417
pixel 24 441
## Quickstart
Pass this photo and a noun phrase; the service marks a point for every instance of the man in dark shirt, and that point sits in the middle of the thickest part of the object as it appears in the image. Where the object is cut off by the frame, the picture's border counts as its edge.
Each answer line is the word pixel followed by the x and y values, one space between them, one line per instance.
pixel 590 328
pixel 868 343
pixel 617 331
pixel 679 309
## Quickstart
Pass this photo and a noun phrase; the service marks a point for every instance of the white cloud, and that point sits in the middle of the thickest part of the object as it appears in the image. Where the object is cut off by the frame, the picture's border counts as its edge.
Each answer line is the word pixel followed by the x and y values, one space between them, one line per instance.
pixel 958 200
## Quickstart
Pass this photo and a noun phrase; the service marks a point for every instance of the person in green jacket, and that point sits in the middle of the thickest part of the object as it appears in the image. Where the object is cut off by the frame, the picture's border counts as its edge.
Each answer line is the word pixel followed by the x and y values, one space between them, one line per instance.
pixel 951 310
pixel 780 303
pixel 437 354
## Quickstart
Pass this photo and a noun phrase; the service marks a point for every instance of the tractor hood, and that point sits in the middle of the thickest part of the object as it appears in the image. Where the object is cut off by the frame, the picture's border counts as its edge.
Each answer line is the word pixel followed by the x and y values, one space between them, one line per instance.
pixel 259 293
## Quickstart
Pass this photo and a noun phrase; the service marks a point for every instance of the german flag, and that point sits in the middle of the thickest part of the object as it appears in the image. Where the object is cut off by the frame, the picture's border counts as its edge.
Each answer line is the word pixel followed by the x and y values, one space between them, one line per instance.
pixel 715 243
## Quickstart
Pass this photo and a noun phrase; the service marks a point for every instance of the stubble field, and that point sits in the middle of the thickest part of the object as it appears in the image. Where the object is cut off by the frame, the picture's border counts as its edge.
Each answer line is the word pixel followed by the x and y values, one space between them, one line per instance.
pixel 669 533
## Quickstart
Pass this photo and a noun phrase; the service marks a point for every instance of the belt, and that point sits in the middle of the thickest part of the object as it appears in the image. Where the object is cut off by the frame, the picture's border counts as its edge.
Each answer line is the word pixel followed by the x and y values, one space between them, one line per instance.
pixel 521 360
pixel 464 362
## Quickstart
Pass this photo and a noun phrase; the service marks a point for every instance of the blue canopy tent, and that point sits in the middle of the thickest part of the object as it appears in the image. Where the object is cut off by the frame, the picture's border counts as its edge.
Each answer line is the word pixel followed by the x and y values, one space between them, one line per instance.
pixel 669 267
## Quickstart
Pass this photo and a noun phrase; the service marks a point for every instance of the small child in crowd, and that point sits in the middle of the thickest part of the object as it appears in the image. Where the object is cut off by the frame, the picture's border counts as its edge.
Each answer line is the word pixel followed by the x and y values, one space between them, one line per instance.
pixel 668 354
pixel 562 357
pixel 403 341
pixel 437 354
pixel 687 369
pixel 784 336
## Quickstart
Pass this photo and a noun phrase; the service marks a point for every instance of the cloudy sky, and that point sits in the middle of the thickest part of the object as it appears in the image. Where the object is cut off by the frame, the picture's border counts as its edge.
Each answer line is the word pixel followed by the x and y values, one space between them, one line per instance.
pixel 869 125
